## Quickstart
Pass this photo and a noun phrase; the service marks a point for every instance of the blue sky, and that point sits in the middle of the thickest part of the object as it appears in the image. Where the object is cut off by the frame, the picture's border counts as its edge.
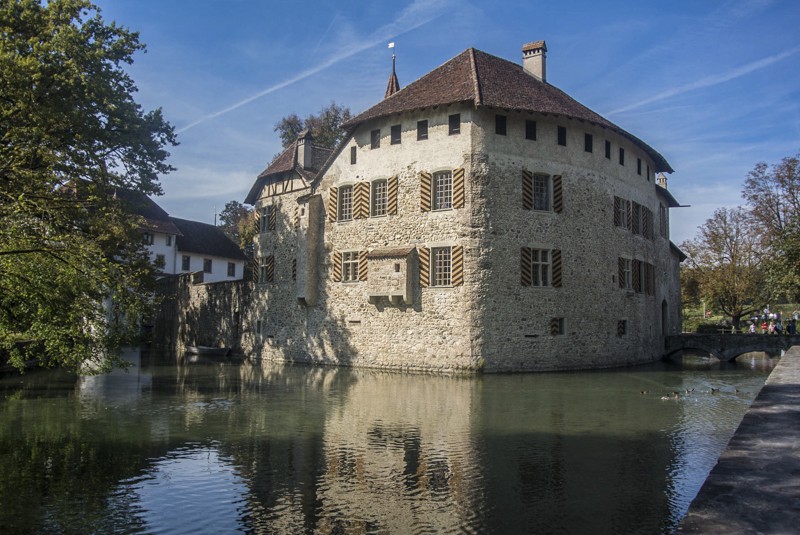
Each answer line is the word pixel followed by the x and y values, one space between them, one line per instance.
pixel 714 86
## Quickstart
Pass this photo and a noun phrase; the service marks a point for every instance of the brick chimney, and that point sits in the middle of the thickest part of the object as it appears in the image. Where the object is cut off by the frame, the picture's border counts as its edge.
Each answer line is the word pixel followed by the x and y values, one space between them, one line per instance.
pixel 534 59
pixel 661 180
pixel 305 150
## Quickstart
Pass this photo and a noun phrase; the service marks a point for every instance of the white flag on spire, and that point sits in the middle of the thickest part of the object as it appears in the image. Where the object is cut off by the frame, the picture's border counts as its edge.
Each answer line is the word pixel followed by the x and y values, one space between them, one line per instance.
pixel 391 45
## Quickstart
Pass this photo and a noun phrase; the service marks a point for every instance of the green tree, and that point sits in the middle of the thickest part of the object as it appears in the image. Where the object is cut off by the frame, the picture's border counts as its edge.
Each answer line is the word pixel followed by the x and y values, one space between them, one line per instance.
pixel 325 127
pixel 70 134
pixel 726 262
pixel 236 223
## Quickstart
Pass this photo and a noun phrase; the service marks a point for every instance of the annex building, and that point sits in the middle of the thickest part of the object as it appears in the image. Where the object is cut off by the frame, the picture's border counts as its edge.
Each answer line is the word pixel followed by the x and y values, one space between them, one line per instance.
pixel 477 219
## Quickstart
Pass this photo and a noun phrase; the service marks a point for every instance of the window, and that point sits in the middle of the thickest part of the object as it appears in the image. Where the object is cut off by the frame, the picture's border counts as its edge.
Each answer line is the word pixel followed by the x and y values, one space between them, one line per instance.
pixel 530 130
pixel 379 198
pixel 622 207
pixel 500 125
pixel 345 212
pixel 454 124
pixel 350 267
pixel 442 266
pixel 540 267
pixel 541 192
pixel 186 263
pixel 268 218
pixel 638 166
pixel 443 190
pixel 608 150
pixel 161 261
pixel 621 156
pixel 169 240
pixel 587 142
pixel 147 238
pixel 266 269
pixel 662 220
pixel 648 173
pixel 562 136
pixel 557 326
pixel 207 265
pixel 625 274
pixel 353 150
pixel 395 134
pixel 622 327
pixel 231 269
pixel 375 138
pixel 422 130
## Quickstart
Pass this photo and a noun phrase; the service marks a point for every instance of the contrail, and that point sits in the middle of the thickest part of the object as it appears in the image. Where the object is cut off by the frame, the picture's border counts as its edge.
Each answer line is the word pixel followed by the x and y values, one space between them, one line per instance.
pixel 419 13
pixel 710 80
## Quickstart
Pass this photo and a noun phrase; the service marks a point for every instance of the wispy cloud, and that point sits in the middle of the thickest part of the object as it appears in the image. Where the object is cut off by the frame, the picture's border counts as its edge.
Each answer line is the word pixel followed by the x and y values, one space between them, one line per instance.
pixel 709 81
pixel 415 15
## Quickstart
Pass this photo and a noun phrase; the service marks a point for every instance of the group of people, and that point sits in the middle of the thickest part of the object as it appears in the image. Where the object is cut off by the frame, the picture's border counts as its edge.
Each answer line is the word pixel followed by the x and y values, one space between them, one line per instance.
pixel 771 323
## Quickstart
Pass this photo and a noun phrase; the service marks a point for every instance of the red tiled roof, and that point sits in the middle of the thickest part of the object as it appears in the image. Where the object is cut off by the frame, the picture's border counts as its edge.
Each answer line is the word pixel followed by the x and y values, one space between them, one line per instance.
pixel 286 162
pixel 486 80
pixel 155 219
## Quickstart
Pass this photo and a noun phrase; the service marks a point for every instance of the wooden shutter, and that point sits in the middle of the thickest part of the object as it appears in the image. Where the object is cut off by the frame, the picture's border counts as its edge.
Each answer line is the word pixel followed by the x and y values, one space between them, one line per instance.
pixel 636 226
pixel 270 262
pixel 361 200
pixel 556 258
pixel 257 221
pixel 333 197
pixel 337 266
pixel 391 201
pixel 555 326
pixel 256 265
pixel 362 265
pixel 525 261
pixel 294 269
pixel 617 206
pixel 621 328
pixel 424 255
pixel 558 199
pixel 458 188
pixel 629 213
pixel 621 272
pixel 636 268
pixel 425 192
pixel 296 219
pixel 273 217
pixel 457 266
pixel 527 190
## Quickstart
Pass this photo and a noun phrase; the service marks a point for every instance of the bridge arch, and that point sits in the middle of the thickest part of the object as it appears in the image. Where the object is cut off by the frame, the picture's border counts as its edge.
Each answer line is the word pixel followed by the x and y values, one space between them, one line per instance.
pixel 728 346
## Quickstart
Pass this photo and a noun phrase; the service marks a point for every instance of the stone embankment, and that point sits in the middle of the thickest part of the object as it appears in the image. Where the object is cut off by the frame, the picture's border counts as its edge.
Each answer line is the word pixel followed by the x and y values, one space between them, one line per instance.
pixel 755 486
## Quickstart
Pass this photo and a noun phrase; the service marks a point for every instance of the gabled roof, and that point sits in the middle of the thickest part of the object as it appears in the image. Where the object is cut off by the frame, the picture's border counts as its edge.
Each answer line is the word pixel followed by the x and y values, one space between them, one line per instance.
pixel 155 218
pixel 486 80
pixel 286 162
pixel 205 239
pixel 672 202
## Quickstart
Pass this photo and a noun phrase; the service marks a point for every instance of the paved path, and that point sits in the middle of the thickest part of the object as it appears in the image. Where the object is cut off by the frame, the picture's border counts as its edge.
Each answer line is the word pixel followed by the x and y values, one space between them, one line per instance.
pixel 755 486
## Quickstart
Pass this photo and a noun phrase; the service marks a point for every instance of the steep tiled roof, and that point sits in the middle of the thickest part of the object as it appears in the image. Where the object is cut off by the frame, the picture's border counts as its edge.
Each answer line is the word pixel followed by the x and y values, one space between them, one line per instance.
pixel 202 238
pixel 155 218
pixel 486 80
pixel 286 162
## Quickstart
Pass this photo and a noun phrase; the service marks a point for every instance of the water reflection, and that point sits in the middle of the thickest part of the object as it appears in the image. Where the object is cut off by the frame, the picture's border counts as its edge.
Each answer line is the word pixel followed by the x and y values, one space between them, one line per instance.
pixel 219 446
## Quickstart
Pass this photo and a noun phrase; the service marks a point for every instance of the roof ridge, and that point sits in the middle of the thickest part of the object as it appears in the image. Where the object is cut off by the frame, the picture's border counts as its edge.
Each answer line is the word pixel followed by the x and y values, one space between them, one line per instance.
pixel 476 84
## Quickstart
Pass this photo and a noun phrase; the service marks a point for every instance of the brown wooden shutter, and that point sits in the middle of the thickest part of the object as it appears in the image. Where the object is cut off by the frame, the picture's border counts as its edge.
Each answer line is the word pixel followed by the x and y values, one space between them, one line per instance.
pixel 424 255
pixel 636 228
pixel 558 198
pixel 361 201
pixel 458 188
pixel 636 266
pixel 527 190
pixel 333 198
pixel 556 258
pixel 425 192
pixel 294 269
pixel 337 266
pixel 257 221
pixel 270 261
pixel 651 279
pixel 555 326
pixel 645 223
pixel 457 266
pixel 362 265
pixel 273 217
pixel 617 206
pixel 391 201
pixel 525 261
pixel 650 225
pixel 621 272
pixel 296 219
pixel 256 265
pixel 629 214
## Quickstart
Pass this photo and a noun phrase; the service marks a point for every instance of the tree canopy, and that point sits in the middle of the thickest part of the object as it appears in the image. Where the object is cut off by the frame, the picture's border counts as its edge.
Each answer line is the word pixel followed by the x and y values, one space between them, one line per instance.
pixel 325 127
pixel 71 134
pixel 236 223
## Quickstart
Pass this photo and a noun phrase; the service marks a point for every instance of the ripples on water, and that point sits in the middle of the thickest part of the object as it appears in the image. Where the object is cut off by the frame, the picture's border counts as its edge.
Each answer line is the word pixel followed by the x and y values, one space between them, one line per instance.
pixel 221 448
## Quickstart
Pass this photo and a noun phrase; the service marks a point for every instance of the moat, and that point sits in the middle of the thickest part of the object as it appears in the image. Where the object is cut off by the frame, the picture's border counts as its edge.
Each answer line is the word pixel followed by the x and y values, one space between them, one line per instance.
pixel 226 447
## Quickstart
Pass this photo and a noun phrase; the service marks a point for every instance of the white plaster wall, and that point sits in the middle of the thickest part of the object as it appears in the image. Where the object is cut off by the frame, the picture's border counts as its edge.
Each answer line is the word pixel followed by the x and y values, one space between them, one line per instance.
pixel 160 246
pixel 219 266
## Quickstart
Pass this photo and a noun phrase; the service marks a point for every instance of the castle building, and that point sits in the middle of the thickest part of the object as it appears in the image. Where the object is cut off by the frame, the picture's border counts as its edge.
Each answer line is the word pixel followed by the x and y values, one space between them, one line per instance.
pixel 477 219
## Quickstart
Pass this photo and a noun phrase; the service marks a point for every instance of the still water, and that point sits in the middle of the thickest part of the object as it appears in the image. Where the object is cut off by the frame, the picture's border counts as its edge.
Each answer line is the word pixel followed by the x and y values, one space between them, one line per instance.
pixel 223 447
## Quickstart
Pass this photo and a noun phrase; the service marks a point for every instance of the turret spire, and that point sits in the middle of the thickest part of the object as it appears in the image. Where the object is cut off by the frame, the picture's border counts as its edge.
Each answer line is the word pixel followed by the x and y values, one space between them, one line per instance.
pixel 393 86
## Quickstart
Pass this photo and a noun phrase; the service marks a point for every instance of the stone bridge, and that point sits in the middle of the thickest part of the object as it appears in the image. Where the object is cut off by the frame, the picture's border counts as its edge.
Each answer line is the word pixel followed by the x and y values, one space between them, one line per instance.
pixel 729 346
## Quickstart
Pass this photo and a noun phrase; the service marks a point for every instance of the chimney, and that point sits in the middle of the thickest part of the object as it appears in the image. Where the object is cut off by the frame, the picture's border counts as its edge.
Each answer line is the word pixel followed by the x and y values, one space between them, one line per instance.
pixel 534 60
pixel 305 150
pixel 661 180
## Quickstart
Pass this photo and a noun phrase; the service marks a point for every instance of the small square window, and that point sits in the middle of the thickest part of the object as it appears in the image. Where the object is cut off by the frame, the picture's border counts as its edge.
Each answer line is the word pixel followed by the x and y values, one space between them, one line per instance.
pixel 350 267
pixel 231 269
pixel 500 125
pixel 557 326
pixel 161 261
pixel 454 122
pixel 147 238
pixel 648 173
pixel 395 134
pixel 422 130
pixel 207 265
pixel 562 136
pixel 186 263
pixel 621 156
pixel 353 155
pixel 375 138
pixel 608 150
pixel 587 142
pixel 530 130
pixel 638 166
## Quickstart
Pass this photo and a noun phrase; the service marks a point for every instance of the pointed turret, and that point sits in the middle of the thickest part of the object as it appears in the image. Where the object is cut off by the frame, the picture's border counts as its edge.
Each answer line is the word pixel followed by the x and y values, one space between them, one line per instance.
pixel 393 86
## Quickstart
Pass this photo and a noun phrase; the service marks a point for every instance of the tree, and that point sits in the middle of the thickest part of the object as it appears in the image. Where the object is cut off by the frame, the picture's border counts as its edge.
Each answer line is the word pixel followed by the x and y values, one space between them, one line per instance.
pixel 236 223
pixel 325 127
pixel 773 194
pixel 726 261
pixel 70 135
